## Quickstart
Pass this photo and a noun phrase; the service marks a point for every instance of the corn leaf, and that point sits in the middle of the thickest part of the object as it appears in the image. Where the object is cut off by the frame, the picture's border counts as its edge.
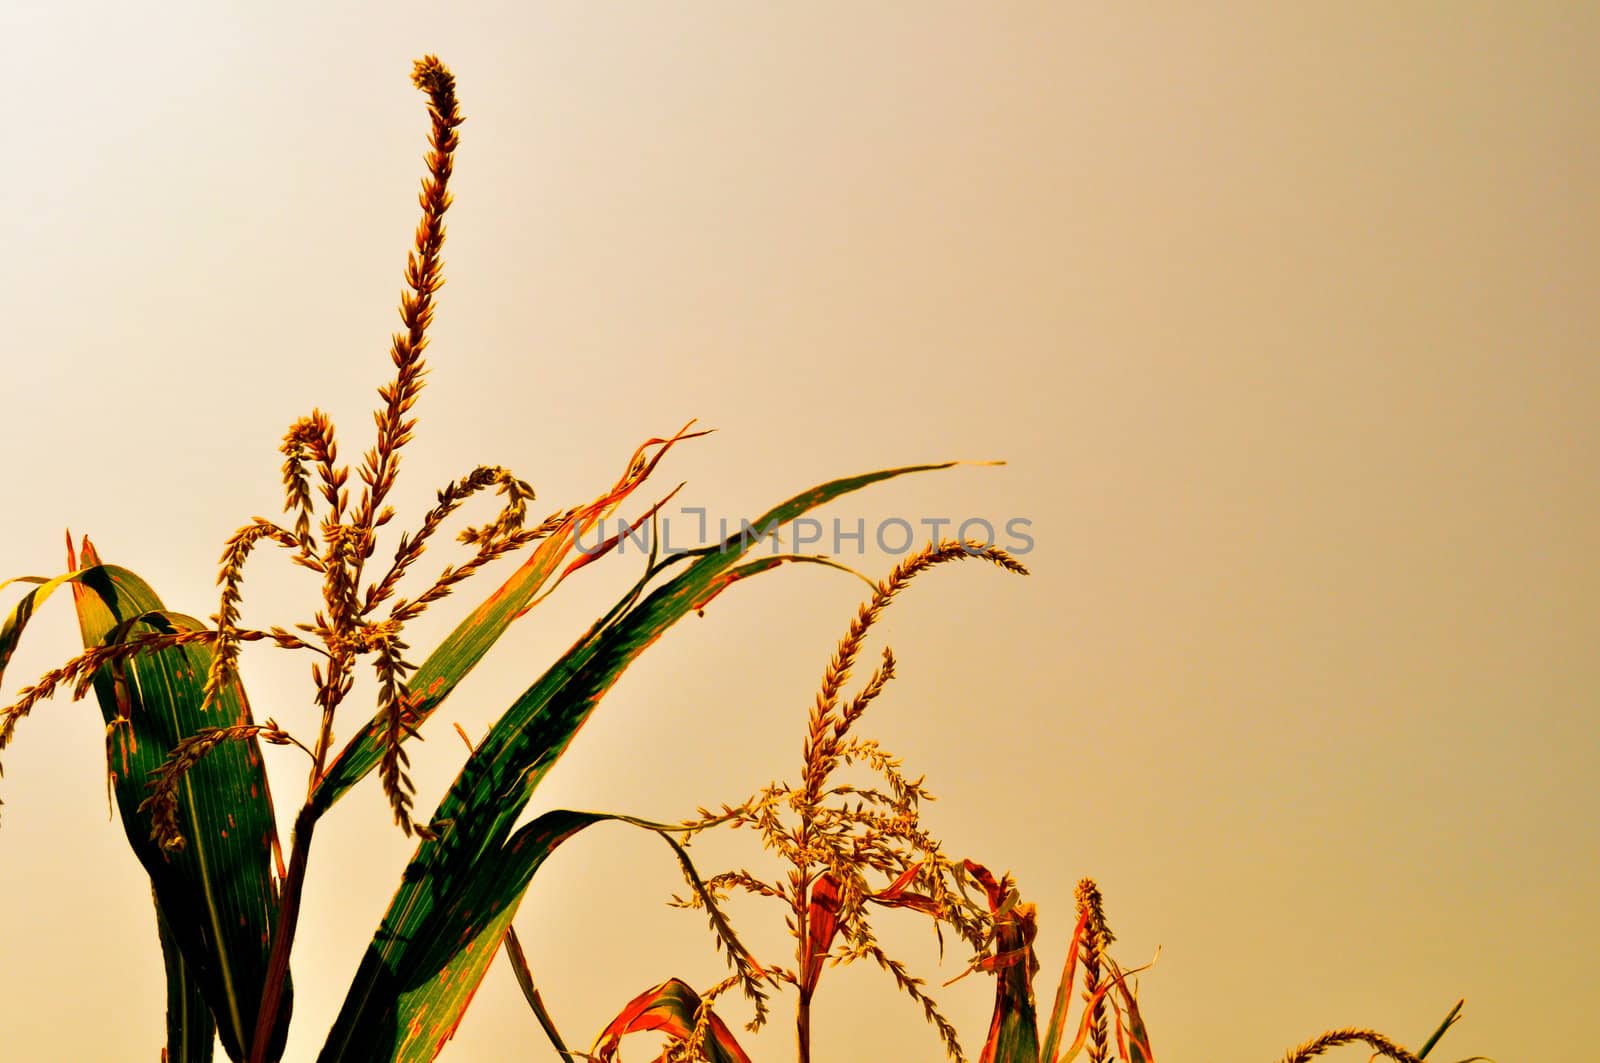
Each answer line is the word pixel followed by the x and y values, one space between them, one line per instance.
pixel 1450 1020
pixel 1135 1045
pixel 410 1021
pixel 669 1008
pixel 1069 974
pixel 822 915
pixel 17 619
pixel 436 915
pixel 405 1016
pixel 822 924
pixel 1014 1026
pixel 530 992
pixel 191 1031
pixel 217 895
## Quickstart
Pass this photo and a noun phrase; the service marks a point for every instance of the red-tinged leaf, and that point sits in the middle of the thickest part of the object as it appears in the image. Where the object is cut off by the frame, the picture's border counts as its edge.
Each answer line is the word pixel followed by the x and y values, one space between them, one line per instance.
pixel 589 555
pixel 1085 1023
pixel 475 820
pixel 1117 982
pixel 822 914
pixel 1014 1026
pixel 822 923
pixel 1136 1048
pixel 901 882
pixel 218 894
pixel 669 1008
pixel 471 639
pixel 898 894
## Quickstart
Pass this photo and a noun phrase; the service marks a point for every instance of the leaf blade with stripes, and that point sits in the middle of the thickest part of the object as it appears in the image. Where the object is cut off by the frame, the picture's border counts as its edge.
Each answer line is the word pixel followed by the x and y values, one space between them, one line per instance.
pixel 218 894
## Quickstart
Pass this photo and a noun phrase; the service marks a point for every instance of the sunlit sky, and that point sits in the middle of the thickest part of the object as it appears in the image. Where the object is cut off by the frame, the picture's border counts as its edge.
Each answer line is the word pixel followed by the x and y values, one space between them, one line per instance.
pixel 1278 314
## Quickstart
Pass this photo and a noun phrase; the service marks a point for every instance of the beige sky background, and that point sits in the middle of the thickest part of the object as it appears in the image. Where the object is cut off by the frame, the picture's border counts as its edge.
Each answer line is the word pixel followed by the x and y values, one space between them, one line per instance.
pixel 1280 314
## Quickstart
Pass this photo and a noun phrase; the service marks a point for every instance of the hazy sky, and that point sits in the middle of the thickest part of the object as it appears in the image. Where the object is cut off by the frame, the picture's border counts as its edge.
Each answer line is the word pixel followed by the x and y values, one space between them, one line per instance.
pixel 1279 313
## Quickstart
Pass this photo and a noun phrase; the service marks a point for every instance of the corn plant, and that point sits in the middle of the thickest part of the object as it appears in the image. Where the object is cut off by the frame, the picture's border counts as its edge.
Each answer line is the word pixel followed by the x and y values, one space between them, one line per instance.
pixel 831 835
pixel 184 753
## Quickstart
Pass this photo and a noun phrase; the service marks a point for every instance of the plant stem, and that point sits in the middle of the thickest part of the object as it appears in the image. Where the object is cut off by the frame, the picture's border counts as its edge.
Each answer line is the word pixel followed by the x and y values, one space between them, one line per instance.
pixel 283 936
pixel 802 1025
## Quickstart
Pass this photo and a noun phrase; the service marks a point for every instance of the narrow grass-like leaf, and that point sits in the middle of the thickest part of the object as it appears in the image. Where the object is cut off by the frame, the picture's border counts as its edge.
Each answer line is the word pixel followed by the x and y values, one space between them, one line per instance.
pixel 518 959
pixel 218 893
pixel 530 992
pixel 1069 974
pixel 474 821
pixel 1449 1020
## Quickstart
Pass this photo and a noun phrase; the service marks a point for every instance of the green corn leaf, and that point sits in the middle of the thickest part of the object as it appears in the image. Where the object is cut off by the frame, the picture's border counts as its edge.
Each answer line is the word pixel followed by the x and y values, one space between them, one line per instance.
pixel 191 1031
pixel 1449 1020
pixel 218 893
pixel 475 819
pixel 407 1015
pixel 530 992
pixel 408 1020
